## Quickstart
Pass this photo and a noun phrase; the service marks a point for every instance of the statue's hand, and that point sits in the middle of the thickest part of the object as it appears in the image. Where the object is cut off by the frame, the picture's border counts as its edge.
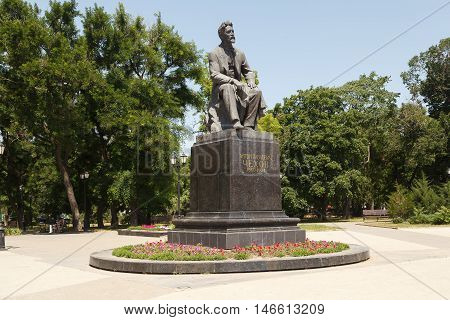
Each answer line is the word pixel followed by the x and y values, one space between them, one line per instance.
pixel 238 84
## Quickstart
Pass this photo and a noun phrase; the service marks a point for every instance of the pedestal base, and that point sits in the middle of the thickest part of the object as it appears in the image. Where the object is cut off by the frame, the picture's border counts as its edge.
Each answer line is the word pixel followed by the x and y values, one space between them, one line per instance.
pixel 229 238
pixel 235 197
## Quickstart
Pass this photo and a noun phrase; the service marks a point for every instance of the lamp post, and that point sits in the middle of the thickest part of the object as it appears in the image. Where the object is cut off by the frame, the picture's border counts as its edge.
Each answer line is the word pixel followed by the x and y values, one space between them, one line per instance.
pixel 2 233
pixel 178 162
pixel 2 230
pixel 84 176
pixel 21 209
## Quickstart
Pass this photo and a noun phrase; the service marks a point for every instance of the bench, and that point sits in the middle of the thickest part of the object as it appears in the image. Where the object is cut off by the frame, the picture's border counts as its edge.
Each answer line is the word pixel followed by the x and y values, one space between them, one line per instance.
pixel 378 213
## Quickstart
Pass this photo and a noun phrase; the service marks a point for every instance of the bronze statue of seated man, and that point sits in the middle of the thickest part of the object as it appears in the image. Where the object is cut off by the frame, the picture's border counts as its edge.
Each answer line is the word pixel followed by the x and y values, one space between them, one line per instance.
pixel 234 104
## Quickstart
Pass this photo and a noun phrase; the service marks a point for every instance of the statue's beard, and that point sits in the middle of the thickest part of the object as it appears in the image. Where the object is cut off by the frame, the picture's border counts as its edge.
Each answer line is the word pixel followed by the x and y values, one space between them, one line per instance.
pixel 228 42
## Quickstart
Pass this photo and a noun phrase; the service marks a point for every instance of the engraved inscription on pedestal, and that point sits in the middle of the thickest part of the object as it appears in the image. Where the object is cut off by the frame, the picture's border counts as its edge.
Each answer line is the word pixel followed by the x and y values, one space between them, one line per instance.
pixel 256 163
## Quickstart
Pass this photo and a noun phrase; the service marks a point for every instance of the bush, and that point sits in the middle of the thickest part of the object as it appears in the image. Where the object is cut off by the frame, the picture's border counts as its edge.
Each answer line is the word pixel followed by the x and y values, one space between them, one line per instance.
pixel 397 220
pixel 444 192
pixel 420 217
pixel 13 232
pixel 422 204
pixel 442 216
pixel 424 196
pixel 400 204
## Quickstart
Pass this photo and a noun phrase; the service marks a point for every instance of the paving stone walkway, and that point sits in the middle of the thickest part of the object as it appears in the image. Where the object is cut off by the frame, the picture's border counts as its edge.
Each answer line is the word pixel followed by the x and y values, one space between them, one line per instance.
pixel 405 264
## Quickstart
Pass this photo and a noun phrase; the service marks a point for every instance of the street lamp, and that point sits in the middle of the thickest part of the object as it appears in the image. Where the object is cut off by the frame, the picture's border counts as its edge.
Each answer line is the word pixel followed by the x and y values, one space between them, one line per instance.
pixel 84 176
pixel 183 158
pixel 2 149
pixel 21 218
pixel 177 163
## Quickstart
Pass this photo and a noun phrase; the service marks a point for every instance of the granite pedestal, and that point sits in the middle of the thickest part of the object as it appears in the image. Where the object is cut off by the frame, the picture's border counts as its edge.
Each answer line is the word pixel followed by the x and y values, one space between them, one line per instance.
pixel 235 193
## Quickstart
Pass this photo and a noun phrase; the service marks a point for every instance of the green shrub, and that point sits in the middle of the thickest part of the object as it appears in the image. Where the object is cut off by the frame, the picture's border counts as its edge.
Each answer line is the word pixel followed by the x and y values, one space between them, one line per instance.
pixel 423 204
pixel 442 216
pixel 13 232
pixel 424 196
pixel 420 217
pixel 397 220
pixel 444 192
pixel 400 204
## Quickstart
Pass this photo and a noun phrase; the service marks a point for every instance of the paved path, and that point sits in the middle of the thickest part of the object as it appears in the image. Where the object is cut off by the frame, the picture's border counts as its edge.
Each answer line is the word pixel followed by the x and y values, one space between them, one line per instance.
pixel 405 264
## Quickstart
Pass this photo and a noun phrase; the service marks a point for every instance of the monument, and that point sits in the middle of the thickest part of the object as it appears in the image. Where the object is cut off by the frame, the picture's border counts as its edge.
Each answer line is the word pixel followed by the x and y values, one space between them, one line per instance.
pixel 235 195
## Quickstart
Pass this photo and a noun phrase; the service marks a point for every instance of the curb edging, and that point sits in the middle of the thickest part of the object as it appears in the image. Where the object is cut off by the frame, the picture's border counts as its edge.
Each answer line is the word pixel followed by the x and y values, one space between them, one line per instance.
pixel 106 261
pixel 139 233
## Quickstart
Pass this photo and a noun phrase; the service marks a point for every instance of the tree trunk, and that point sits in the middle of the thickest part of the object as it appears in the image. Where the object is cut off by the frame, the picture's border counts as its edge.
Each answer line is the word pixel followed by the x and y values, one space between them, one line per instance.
pixel 324 209
pixel 13 186
pixel 6 216
pixel 88 214
pixel 100 213
pixel 69 189
pixel 20 212
pixel 347 209
pixel 134 218
pixel 114 216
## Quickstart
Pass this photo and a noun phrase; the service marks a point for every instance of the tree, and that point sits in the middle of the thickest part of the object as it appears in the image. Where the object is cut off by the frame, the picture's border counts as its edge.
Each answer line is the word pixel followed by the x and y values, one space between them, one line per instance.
pixel 322 154
pixel 146 94
pixel 415 142
pixel 428 78
pixel 327 137
pixel 109 100
pixel 50 80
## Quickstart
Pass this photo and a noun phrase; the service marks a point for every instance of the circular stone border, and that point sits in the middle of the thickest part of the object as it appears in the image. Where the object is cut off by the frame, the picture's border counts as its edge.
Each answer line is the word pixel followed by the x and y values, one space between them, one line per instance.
pixel 141 233
pixel 106 261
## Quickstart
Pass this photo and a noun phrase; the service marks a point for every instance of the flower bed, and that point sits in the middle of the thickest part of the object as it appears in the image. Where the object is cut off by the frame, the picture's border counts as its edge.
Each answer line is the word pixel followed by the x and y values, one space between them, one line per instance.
pixel 152 227
pixel 164 251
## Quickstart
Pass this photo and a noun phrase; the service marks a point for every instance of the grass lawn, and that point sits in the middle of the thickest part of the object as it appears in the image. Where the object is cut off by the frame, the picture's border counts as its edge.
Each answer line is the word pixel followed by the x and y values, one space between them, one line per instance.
pixel 317 227
pixel 390 224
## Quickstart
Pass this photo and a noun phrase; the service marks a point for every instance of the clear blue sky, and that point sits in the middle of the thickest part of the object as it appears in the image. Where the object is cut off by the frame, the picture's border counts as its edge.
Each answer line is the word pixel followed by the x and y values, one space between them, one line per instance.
pixel 297 44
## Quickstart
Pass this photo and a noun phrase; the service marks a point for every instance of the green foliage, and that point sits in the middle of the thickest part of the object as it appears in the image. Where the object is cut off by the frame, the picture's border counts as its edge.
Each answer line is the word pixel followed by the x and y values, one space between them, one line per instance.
pixel 13 231
pixel 109 99
pixel 293 205
pixel 415 142
pixel 420 216
pixel 241 256
pixel 349 146
pixel 397 220
pixel 422 204
pixel 324 141
pixel 442 216
pixel 428 77
pixel 269 123
pixel 425 197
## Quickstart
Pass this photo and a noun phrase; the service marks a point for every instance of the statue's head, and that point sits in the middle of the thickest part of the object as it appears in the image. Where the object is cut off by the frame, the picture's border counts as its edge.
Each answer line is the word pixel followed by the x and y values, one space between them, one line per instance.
pixel 226 32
